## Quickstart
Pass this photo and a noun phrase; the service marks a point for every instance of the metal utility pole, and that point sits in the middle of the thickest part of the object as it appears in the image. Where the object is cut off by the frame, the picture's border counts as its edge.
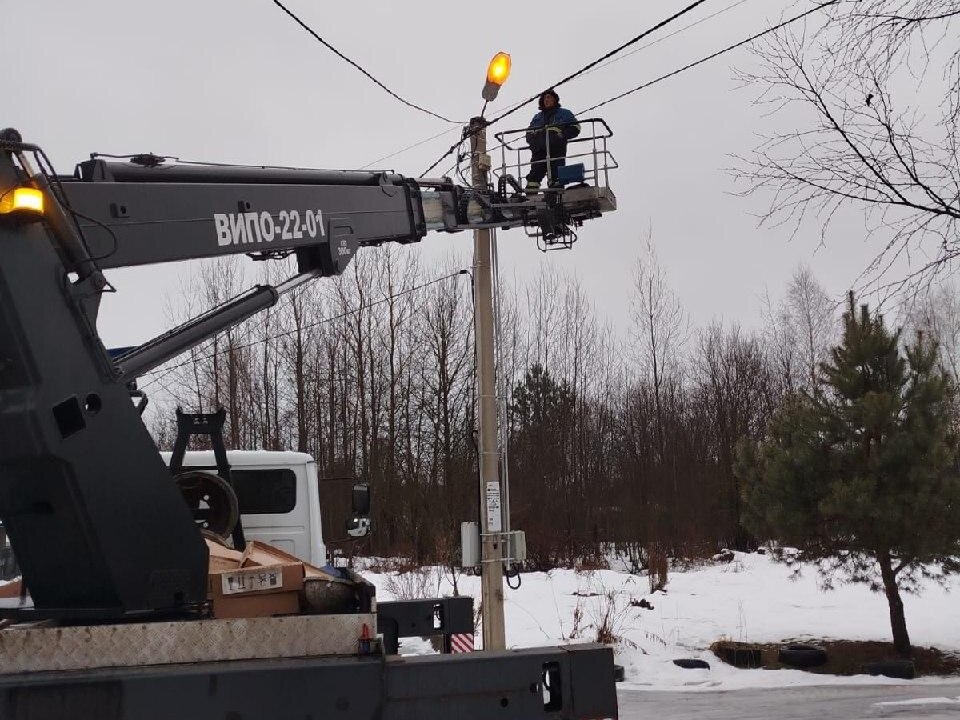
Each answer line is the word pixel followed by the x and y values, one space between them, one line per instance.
pixel 491 520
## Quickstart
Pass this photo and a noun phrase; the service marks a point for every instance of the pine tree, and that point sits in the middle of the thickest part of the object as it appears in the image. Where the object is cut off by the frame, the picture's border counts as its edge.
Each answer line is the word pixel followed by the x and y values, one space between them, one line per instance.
pixel 859 476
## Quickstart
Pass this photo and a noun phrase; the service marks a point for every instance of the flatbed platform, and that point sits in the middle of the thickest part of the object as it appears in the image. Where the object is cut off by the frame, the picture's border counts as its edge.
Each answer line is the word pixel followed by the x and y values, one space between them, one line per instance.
pixel 30 648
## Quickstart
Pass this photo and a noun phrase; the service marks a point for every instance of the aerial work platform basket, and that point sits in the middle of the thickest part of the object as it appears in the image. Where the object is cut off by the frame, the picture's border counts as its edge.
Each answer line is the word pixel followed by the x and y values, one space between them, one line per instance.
pixel 576 186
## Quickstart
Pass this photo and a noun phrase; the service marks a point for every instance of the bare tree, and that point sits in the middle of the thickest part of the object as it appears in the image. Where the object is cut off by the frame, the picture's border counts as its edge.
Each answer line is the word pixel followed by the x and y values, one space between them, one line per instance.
pixel 800 330
pixel 543 301
pixel 610 441
pixel 735 400
pixel 861 135
pixel 298 349
pixel 937 315
pixel 660 327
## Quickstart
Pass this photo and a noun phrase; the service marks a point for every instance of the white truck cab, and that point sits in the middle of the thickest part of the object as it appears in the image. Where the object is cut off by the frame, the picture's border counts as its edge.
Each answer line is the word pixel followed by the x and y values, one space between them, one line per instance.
pixel 278 495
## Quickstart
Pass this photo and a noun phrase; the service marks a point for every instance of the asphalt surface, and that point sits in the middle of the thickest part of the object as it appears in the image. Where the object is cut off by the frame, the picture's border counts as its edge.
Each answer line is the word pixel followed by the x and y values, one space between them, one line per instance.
pixel 802 703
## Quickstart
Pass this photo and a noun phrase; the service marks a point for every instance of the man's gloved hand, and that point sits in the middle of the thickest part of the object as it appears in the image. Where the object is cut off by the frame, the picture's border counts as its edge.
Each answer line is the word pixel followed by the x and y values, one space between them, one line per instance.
pixel 537 140
pixel 555 130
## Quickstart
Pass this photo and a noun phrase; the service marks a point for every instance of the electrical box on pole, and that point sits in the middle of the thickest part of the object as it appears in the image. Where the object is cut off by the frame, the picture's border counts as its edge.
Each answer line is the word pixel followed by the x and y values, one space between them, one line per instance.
pixel 469 544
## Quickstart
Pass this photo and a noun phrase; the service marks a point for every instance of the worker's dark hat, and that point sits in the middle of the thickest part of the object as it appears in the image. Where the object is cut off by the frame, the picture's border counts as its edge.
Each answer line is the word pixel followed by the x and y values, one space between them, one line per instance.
pixel 551 91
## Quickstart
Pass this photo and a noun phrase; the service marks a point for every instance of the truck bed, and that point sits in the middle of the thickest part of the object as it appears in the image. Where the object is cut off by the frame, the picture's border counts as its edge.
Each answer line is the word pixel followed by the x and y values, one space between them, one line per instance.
pixel 30 648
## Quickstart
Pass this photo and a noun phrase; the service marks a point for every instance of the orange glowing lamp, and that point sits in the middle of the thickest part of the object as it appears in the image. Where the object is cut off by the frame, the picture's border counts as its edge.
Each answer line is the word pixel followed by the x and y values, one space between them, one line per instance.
pixel 497 73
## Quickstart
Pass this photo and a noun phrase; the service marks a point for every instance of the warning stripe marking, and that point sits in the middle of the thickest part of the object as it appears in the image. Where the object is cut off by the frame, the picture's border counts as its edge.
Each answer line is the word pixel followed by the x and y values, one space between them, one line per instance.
pixel 462 643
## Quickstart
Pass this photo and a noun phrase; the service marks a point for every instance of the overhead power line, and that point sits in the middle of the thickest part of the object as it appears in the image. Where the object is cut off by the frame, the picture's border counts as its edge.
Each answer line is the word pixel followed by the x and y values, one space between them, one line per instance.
pixel 343 57
pixel 455 147
pixel 605 56
pixel 709 57
pixel 409 147
pixel 676 32
pixel 161 373
pixel 450 151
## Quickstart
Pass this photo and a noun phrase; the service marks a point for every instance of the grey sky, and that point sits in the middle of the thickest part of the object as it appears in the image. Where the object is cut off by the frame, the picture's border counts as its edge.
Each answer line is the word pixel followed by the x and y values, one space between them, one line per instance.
pixel 237 81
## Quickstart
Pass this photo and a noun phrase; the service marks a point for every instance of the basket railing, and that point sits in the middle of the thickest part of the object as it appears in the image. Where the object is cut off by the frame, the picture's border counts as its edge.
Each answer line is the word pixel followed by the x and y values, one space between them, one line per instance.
pixel 589 148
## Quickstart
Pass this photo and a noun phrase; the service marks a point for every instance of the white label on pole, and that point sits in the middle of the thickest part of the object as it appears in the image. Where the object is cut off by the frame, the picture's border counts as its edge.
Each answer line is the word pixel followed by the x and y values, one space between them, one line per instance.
pixel 494 521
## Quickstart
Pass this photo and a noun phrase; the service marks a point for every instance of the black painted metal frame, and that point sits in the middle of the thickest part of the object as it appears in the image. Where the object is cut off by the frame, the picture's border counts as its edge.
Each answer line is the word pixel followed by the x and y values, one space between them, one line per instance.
pixel 420 618
pixel 572 683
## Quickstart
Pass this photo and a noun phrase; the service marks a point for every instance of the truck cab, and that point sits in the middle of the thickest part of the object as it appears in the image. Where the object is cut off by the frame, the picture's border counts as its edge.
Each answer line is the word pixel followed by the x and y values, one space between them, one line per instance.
pixel 279 497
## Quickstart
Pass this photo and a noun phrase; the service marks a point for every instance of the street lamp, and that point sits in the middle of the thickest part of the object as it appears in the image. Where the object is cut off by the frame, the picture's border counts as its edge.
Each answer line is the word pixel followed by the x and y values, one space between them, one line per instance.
pixel 497 73
pixel 491 512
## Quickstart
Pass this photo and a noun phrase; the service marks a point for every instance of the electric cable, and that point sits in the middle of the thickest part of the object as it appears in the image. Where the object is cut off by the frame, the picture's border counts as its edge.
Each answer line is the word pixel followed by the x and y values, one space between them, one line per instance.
pixel 571 76
pixel 409 147
pixel 511 568
pixel 676 32
pixel 450 170
pixel 459 167
pixel 659 40
pixel 343 57
pixel 453 148
pixel 163 372
pixel 46 168
pixel 702 60
pixel 605 56
pixel 113 236
pixel 180 161
pixel 503 441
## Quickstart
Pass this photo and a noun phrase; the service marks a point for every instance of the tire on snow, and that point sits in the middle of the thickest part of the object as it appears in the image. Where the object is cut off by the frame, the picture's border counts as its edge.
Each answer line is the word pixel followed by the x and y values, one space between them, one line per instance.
pixel 900 669
pixel 802 656
pixel 692 663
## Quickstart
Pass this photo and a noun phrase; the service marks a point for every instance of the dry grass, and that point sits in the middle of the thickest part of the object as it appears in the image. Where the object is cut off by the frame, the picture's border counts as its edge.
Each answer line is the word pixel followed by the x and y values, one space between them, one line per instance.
pixel 847 657
pixel 412 585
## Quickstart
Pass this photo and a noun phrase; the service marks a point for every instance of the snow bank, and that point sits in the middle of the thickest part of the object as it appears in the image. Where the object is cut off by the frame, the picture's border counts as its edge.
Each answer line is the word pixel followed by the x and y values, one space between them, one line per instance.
pixel 751 599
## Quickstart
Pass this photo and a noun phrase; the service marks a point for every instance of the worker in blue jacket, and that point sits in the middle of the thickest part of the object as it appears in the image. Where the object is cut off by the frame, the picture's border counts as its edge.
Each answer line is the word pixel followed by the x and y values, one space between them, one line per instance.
pixel 549 132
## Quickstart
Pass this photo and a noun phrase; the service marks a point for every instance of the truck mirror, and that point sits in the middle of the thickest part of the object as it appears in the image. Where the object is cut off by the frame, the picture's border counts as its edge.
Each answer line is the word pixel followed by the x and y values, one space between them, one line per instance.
pixel 358 527
pixel 360 503
pixel 358 524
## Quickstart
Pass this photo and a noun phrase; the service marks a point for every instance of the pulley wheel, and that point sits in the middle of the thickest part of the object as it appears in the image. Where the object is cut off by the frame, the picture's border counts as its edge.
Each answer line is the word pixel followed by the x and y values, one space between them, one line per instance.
pixel 211 500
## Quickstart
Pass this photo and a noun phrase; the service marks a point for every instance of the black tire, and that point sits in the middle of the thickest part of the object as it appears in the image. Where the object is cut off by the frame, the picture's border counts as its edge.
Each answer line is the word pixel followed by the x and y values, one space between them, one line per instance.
pixel 692 663
pixel 222 509
pixel 900 669
pixel 803 656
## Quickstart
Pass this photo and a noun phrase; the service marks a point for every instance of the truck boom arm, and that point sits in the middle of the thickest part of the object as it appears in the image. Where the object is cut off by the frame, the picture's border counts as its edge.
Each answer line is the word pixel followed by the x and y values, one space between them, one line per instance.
pixel 145 211
pixel 141 214
pixel 99 529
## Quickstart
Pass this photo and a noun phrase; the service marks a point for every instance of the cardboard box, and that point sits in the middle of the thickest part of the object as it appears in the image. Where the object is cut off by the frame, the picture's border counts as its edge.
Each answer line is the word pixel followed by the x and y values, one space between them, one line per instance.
pixel 259 553
pixel 222 558
pixel 256 591
pixel 249 606
pixel 11 589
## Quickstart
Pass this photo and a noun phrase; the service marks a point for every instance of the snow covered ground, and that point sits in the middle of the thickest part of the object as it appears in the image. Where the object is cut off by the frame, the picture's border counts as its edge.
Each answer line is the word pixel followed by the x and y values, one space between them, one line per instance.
pixel 751 599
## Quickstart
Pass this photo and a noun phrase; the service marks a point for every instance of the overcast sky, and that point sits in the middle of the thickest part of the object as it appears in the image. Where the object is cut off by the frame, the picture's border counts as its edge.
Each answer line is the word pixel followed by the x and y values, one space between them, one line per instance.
pixel 238 81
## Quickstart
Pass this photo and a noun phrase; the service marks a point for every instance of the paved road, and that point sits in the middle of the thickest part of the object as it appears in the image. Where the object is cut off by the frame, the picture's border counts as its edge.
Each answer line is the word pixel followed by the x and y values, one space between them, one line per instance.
pixel 810 703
